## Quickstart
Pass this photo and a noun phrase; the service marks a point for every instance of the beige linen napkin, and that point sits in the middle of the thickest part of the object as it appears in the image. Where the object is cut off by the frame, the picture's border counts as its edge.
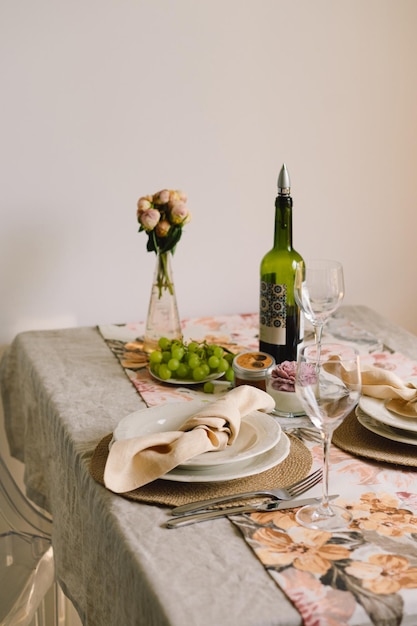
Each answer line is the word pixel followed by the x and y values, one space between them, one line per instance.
pixel 385 385
pixel 402 407
pixel 135 462
pixel 400 397
pixel 378 383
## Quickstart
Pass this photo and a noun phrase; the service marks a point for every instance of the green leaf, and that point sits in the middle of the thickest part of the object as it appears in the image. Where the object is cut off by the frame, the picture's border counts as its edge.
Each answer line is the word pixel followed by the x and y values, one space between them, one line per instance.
pixel 152 245
pixel 172 239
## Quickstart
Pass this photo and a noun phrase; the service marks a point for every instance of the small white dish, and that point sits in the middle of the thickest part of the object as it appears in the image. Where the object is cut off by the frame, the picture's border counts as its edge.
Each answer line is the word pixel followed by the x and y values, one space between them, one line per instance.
pixel 287 403
pixel 383 430
pixel 375 408
pixel 280 381
pixel 157 418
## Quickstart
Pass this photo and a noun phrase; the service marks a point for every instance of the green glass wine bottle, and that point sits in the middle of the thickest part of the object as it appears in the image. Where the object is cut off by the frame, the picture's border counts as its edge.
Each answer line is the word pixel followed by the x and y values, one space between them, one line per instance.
pixel 280 323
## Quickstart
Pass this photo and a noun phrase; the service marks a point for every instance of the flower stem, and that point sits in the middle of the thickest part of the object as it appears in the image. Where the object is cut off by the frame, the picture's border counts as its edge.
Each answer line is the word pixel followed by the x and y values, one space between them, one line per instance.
pixel 163 277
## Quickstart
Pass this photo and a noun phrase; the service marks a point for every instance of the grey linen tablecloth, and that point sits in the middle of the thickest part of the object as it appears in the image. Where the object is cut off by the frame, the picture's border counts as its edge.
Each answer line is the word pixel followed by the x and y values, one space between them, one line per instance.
pixel 62 392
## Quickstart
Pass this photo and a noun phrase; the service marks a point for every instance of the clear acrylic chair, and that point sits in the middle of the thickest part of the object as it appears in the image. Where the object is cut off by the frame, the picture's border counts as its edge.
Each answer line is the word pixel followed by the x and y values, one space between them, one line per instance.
pixel 27 571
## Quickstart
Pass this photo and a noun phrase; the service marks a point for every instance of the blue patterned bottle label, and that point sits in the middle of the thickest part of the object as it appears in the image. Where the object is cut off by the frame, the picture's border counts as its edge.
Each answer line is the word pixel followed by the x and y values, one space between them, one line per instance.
pixel 272 313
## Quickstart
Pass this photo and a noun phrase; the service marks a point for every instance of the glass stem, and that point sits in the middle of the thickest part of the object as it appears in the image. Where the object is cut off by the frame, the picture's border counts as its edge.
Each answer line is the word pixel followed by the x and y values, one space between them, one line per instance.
pixel 318 332
pixel 327 438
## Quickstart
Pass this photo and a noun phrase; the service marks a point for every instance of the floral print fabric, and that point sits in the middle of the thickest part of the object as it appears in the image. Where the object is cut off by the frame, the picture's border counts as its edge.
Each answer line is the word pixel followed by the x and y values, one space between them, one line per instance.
pixel 235 332
pixel 238 333
pixel 366 574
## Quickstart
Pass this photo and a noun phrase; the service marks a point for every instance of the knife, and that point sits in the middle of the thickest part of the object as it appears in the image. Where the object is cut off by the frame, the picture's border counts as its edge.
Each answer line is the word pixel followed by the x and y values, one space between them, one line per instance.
pixel 184 520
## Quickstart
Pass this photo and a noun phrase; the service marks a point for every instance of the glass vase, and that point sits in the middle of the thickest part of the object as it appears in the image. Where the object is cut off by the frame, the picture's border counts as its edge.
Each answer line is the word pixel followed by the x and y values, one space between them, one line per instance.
pixel 163 318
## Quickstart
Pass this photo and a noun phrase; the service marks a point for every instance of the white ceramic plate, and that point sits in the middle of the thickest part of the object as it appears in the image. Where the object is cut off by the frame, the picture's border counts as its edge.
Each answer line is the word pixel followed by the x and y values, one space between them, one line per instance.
pixel 186 381
pixel 258 433
pixel 156 418
pixel 231 471
pixel 383 430
pixel 375 408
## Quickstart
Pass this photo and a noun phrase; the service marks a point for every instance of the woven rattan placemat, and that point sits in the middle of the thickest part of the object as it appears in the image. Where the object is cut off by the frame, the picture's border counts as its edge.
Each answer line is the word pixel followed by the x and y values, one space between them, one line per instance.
pixel 352 437
pixel 297 465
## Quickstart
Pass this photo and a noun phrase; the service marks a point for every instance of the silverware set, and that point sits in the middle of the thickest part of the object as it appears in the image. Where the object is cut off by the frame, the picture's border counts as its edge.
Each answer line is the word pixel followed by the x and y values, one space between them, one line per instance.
pixel 281 499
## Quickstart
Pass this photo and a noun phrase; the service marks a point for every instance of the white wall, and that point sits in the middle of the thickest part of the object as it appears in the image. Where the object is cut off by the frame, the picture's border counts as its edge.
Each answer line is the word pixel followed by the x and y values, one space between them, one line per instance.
pixel 106 100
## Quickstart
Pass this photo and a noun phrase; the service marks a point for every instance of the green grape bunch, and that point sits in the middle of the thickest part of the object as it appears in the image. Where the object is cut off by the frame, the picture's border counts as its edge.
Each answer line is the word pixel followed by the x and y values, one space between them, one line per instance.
pixel 194 361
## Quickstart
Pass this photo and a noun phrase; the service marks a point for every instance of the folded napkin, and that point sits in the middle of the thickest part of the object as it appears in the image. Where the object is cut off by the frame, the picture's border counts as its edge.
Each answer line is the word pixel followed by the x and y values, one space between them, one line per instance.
pixel 400 397
pixel 378 383
pixel 402 407
pixel 385 385
pixel 135 462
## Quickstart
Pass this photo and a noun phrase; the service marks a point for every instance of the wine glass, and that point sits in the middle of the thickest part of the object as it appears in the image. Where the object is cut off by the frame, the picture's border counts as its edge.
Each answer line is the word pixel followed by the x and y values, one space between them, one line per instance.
pixel 328 383
pixel 318 290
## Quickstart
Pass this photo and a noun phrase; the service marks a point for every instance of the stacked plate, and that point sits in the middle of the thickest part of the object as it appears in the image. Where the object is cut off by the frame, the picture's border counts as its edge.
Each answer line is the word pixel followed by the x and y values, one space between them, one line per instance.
pixel 374 415
pixel 260 444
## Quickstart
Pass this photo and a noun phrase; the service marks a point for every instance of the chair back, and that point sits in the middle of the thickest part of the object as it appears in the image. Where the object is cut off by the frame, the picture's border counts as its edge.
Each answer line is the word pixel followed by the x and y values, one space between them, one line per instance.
pixel 27 570
pixel 17 510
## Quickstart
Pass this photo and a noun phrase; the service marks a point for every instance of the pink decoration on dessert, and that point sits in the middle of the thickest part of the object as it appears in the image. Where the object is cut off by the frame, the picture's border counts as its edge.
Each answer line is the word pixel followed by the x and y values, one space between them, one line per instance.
pixel 283 376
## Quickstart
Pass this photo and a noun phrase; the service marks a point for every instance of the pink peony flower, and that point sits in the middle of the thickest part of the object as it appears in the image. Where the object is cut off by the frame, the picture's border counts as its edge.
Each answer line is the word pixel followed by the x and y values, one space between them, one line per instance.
pixel 143 205
pixel 149 219
pixel 161 197
pixel 178 212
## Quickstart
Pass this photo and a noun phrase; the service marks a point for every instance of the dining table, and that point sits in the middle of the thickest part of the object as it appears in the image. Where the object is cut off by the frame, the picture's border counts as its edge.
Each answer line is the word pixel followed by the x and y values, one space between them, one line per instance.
pixel 64 393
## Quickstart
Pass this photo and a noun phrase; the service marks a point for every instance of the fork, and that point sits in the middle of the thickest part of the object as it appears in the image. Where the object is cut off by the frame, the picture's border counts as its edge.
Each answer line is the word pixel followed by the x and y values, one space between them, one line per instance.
pixel 294 490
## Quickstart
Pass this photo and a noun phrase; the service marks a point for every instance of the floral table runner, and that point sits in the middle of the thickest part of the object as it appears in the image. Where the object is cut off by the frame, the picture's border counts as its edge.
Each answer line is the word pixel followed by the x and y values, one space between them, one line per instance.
pixel 235 332
pixel 366 574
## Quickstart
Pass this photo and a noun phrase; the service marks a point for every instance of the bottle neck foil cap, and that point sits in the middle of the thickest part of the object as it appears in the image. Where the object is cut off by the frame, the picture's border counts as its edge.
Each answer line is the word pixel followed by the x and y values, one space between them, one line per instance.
pixel 284 182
